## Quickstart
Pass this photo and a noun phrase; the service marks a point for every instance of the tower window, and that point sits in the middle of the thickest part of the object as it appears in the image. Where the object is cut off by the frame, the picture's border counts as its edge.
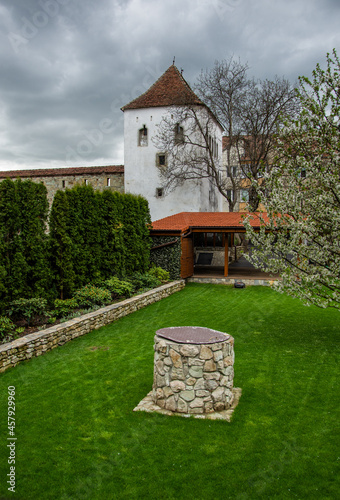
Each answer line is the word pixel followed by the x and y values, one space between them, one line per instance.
pixel 161 160
pixel 143 136
pixel 179 134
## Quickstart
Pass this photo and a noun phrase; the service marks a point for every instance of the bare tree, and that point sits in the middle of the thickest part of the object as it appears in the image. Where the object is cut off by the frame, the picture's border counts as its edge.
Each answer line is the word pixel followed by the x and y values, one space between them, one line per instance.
pixel 251 112
pixel 187 137
pixel 267 104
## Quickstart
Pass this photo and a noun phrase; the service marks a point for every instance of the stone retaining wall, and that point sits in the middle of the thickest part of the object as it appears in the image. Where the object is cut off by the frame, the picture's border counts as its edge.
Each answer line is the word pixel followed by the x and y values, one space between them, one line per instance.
pixel 38 343
pixel 232 281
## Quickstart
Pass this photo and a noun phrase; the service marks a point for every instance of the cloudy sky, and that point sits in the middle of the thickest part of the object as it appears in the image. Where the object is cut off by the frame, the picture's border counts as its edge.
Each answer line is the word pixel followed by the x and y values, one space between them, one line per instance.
pixel 67 66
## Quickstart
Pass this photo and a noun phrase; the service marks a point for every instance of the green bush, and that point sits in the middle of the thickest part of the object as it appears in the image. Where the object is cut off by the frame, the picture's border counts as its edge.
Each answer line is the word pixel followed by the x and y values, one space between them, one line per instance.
pixel 119 287
pixel 28 308
pixel 144 281
pixel 90 295
pixel 64 307
pixel 160 274
pixel 6 327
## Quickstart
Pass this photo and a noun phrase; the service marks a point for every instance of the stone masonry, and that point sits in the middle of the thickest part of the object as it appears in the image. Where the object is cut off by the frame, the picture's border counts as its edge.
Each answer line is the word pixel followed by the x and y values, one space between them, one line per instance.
pixel 100 178
pixel 193 378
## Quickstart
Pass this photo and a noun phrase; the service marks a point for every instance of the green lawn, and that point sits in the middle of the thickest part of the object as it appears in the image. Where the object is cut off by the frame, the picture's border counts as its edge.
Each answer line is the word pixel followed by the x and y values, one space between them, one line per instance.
pixel 78 438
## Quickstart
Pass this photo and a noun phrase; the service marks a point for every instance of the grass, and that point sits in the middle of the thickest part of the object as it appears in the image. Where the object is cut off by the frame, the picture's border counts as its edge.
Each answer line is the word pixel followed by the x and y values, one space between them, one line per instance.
pixel 77 437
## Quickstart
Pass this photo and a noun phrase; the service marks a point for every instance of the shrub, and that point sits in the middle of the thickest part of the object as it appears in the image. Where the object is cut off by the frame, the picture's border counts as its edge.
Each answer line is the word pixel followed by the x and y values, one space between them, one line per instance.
pixel 160 274
pixel 6 327
pixel 64 307
pixel 90 295
pixel 118 287
pixel 8 331
pixel 144 281
pixel 28 308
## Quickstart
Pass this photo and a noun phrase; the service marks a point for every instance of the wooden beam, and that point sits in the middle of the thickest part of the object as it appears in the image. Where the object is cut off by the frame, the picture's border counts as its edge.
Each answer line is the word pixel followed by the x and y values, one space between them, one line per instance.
pixel 226 257
pixel 164 245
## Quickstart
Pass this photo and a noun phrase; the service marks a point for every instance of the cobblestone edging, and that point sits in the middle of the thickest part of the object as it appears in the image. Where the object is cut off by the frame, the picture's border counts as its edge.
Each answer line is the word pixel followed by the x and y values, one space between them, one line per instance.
pixel 38 343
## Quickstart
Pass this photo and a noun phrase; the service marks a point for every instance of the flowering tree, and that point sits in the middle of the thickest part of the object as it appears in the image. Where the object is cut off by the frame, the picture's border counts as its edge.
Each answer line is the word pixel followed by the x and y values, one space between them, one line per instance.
pixel 300 237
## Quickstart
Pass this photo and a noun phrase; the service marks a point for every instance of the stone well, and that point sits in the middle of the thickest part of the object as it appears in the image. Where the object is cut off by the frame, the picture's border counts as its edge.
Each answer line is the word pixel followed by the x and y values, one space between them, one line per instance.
pixel 193 370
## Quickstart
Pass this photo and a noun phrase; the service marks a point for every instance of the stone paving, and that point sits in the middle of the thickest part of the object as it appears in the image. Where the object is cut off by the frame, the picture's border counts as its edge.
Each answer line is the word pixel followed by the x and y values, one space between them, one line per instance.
pixel 149 406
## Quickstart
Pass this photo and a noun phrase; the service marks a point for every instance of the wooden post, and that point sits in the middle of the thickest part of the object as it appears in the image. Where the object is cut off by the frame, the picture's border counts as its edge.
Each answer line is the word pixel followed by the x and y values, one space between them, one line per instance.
pixel 232 243
pixel 226 256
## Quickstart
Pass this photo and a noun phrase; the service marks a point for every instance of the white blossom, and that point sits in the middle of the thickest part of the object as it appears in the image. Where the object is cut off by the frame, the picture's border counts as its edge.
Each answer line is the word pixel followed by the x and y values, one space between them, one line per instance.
pixel 300 240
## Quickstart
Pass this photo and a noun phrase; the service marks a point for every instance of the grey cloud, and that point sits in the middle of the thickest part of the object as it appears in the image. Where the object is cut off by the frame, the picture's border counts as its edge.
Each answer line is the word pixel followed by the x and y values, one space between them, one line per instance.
pixel 63 72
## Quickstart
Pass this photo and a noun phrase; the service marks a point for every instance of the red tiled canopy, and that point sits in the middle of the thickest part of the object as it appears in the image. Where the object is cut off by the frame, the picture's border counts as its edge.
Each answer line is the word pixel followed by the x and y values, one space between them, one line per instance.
pixel 213 220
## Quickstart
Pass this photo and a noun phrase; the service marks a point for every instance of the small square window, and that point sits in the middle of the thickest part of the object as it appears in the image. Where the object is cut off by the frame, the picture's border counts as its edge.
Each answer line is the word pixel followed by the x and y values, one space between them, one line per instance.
pixel 161 159
pixel 159 193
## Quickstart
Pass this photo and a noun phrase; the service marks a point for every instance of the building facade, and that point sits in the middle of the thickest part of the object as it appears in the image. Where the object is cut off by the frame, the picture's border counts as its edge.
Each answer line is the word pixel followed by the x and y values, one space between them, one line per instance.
pixel 143 161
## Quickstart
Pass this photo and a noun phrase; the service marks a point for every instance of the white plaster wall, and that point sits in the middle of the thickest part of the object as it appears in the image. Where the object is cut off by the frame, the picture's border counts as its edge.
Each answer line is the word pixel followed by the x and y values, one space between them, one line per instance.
pixel 142 174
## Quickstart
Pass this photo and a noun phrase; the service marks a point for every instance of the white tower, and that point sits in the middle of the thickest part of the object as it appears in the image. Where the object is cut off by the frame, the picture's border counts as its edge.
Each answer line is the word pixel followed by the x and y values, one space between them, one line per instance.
pixel 142 161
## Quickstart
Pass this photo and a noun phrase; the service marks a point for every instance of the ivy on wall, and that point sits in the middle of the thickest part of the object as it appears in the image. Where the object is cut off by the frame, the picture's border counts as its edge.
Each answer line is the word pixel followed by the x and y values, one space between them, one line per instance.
pixel 167 257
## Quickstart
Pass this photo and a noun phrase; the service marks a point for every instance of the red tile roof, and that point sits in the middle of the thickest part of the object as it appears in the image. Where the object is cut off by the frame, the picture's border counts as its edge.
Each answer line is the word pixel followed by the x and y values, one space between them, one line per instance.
pixel 198 220
pixel 169 90
pixel 52 172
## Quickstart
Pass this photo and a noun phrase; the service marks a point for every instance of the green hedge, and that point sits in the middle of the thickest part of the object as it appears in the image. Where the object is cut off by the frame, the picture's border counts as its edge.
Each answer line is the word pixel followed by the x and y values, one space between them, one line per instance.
pixel 24 258
pixel 92 236
pixel 99 235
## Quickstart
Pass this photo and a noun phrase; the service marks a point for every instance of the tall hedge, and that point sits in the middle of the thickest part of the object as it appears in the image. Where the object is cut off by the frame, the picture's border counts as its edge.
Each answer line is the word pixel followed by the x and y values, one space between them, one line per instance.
pixel 100 234
pixel 135 218
pixel 61 246
pixel 24 266
pixel 92 236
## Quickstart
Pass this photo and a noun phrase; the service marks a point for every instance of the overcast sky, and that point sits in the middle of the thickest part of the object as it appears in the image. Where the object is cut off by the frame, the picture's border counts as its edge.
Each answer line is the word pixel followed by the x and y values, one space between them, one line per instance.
pixel 67 66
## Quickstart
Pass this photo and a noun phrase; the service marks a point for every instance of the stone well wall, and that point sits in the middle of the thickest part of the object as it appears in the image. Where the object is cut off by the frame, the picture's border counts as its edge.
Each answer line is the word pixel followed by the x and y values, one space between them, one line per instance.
pixel 193 378
pixel 38 343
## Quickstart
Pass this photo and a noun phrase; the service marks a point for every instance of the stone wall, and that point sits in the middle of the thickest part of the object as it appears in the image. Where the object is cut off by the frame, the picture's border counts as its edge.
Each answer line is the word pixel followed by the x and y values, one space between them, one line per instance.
pixel 231 281
pixel 38 343
pixel 100 178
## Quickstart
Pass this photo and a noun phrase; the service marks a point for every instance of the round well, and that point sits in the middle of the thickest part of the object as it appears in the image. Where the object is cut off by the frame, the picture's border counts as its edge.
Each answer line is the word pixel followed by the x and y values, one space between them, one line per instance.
pixel 193 370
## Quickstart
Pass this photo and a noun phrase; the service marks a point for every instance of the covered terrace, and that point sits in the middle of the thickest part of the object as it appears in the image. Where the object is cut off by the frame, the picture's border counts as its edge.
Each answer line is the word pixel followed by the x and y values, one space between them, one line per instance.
pixel 212 244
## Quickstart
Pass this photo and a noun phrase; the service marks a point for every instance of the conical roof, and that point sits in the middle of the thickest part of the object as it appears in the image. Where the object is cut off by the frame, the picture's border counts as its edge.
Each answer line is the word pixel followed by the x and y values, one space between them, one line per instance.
pixel 170 89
